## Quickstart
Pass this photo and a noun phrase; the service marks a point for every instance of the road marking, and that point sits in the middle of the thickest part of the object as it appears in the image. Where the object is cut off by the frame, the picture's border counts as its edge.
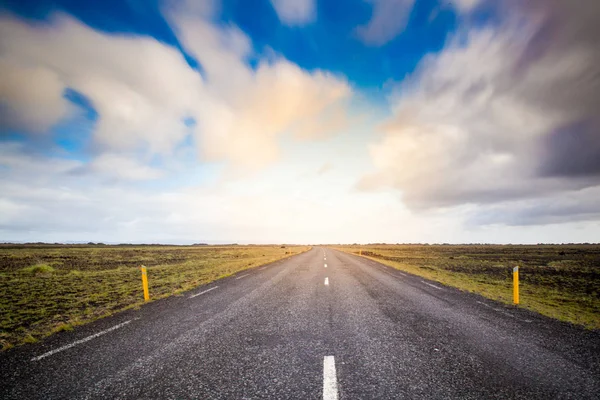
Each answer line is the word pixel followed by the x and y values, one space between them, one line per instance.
pixel 437 287
pixel 242 276
pixel 385 270
pixel 496 309
pixel 206 291
pixel 390 274
pixel 326 281
pixel 260 269
pixel 504 312
pixel 330 389
pixel 94 336
pixel 325 265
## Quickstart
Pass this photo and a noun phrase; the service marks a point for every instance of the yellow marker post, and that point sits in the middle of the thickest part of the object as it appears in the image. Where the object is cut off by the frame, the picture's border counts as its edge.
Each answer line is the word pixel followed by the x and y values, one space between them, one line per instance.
pixel 145 284
pixel 516 285
pixel 360 252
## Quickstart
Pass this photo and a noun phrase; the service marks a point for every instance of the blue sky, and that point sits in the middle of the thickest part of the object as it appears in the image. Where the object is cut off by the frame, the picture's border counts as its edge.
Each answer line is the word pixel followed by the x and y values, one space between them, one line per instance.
pixel 330 42
pixel 299 121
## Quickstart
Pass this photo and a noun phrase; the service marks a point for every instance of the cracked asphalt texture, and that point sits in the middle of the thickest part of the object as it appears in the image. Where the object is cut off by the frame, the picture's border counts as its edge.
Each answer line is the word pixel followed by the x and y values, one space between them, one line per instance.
pixel 393 336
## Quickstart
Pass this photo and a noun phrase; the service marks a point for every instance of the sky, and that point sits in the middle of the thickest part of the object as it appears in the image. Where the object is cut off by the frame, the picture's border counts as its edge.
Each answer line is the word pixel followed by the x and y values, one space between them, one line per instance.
pixel 300 121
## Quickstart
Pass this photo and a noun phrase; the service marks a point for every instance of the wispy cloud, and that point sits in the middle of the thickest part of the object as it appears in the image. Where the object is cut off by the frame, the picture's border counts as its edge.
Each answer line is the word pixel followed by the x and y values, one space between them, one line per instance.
pixel 465 6
pixel 502 115
pixel 131 134
pixel 389 18
pixel 295 12
pixel 144 91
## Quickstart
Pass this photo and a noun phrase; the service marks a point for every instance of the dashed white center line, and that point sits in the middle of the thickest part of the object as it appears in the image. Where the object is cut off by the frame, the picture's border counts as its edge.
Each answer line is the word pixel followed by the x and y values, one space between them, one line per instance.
pixel 242 276
pixel 433 286
pixel 330 389
pixel 122 324
pixel 326 281
pixel 325 265
pixel 206 291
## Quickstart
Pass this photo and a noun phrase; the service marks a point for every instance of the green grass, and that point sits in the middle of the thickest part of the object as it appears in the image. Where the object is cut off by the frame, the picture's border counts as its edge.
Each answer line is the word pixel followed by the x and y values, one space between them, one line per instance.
pixel 63 328
pixel 47 289
pixel 561 282
pixel 38 269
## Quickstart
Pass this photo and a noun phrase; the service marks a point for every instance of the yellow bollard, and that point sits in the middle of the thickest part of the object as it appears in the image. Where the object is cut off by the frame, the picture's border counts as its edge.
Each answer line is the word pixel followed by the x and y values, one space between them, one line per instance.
pixel 145 284
pixel 360 252
pixel 516 285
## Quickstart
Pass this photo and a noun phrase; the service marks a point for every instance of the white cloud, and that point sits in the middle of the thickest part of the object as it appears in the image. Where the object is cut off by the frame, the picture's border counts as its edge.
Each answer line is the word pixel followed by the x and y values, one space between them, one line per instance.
pixel 123 167
pixel 246 110
pixel 479 123
pixel 572 206
pixel 42 200
pixel 143 90
pixel 389 18
pixel 323 169
pixel 27 88
pixel 295 12
pixel 281 204
pixel 501 115
pixel 465 6
pixel 19 164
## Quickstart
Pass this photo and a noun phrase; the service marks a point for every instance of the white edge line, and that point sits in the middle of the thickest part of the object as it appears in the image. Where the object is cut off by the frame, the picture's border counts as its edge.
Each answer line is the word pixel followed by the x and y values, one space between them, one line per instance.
pixel 242 276
pixel 390 274
pixel 503 312
pixel 80 341
pixel 387 273
pixel 206 291
pixel 326 281
pixel 385 270
pixel 437 287
pixel 483 304
pixel 260 269
pixel 330 389
pixel 495 309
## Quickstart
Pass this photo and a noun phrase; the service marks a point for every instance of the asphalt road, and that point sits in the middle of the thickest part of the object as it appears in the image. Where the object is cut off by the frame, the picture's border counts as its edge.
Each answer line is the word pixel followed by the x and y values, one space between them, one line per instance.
pixel 281 332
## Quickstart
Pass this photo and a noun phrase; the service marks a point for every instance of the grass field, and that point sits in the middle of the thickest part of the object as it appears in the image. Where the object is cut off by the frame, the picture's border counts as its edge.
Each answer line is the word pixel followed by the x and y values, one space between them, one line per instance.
pixel 46 289
pixel 561 282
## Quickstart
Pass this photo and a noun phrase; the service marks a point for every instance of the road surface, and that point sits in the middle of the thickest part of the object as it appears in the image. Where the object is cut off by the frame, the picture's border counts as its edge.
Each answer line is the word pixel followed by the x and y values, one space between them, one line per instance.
pixel 320 325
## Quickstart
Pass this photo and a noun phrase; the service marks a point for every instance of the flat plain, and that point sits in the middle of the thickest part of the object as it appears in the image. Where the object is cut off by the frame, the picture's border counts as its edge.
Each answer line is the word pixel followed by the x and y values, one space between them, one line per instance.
pixel 52 288
pixel 323 324
pixel 559 281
